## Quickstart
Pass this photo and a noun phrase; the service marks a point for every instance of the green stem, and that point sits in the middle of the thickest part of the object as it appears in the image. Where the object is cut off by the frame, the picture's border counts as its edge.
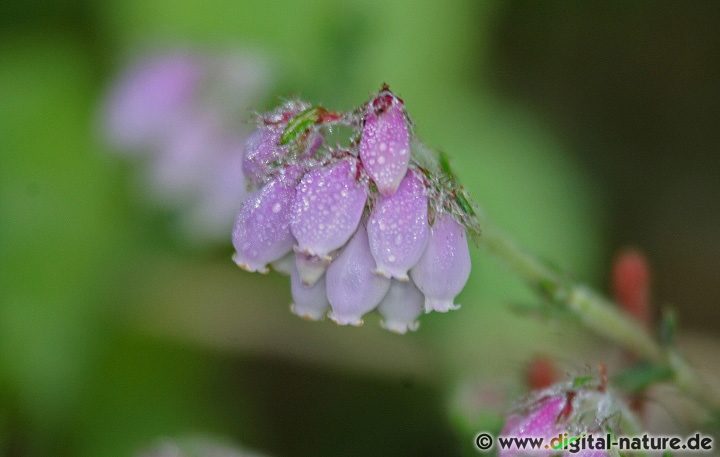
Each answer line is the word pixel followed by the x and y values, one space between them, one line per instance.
pixel 600 315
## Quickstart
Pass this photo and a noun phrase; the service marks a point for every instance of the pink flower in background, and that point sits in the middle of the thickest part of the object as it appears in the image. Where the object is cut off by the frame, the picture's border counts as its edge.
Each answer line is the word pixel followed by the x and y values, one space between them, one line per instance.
pixel 150 96
pixel 582 406
pixel 184 112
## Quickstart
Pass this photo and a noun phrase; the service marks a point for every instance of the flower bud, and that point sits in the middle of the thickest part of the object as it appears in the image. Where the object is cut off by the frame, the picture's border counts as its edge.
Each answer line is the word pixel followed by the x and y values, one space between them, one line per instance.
pixel 309 302
pixel 402 304
pixel 444 268
pixel 631 284
pixel 352 288
pixel 262 229
pixel 327 208
pixel 385 142
pixel 398 228
pixel 261 150
pixel 540 373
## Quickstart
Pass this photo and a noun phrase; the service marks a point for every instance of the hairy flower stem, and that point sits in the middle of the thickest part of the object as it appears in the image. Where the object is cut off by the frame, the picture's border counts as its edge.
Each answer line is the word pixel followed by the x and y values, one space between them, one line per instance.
pixel 600 315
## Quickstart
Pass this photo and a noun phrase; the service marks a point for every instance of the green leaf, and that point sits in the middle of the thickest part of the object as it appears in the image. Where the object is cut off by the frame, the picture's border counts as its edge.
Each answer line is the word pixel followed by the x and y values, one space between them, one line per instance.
pixel 583 381
pixel 445 164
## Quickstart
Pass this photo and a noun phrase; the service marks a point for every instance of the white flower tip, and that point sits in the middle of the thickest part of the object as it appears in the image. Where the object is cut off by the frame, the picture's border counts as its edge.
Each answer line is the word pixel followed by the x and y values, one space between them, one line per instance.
pixel 399 275
pixel 400 328
pixel 310 268
pixel 441 305
pixel 281 268
pixel 284 264
pixel 262 269
pixel 300 250
pixel 346 320
pixel 310 253
pixel 389 189
pixel 307 314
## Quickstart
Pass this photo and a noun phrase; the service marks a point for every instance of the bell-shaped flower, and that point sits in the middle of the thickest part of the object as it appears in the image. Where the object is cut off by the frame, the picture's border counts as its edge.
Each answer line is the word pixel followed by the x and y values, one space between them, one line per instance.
pixel 327 208
pixel 401 306
pixel 398 228
pixel 444 267
pixel 261 150
pixel 385 142
pixel 262 229
pixel 309 302
pixel 352 288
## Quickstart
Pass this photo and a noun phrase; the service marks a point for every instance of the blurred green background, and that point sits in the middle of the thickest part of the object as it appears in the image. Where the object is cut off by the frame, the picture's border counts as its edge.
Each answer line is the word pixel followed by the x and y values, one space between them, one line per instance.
pixel 580 127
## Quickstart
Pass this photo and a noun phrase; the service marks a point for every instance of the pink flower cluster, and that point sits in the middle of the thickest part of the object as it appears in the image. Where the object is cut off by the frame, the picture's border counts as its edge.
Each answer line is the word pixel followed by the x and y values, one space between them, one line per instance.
pixel 371 223
pixel 570 410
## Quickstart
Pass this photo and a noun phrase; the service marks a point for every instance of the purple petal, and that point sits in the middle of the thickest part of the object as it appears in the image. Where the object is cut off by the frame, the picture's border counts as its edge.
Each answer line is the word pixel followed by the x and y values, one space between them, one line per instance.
pixel 327 208
pixel 352 288
pixel 309 302
pixel 385 142
pixel 398 228
pixel 261 150
pixel 401 307
pixel 565 408
pixel 444 268
pixel 262 228
pixel 540 421
pixel 149 96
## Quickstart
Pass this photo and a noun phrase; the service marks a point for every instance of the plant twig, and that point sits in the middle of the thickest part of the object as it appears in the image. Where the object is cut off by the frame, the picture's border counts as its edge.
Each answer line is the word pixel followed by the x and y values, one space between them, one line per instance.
pixel 600 315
